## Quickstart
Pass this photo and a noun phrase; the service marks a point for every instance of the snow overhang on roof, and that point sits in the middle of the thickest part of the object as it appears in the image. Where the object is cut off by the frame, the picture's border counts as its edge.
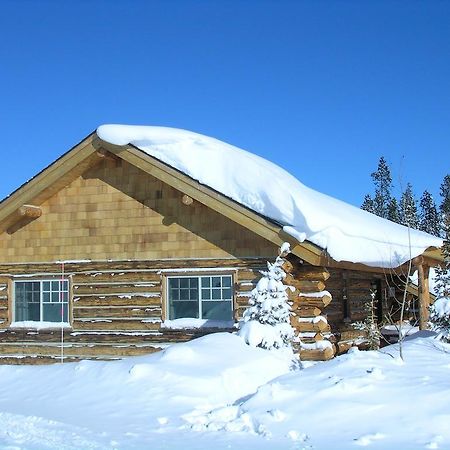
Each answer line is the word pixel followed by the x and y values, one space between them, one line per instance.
pixel 346 232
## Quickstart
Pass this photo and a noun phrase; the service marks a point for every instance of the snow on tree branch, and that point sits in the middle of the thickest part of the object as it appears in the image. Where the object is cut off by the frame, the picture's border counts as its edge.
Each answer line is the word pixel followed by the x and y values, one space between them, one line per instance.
pixel 266 323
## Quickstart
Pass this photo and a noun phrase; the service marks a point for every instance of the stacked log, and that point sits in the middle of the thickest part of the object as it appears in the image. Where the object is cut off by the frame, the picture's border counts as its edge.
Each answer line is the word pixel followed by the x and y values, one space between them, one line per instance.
pixel 309 298
pixel 4 316
pixel 116 308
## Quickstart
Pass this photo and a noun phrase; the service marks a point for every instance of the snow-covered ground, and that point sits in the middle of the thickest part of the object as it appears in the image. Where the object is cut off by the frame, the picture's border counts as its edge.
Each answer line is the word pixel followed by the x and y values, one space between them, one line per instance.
pixel 216 392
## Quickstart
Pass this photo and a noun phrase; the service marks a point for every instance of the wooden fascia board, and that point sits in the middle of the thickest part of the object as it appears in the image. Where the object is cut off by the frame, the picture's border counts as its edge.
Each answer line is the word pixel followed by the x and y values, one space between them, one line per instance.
pixel 347 265
pixel 429 257
pixel 77 160
pixel 214 200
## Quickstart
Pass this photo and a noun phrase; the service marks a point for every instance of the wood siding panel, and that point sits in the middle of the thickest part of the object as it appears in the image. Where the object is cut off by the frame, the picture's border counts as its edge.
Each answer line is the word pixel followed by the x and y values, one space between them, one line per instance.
pixel 116 211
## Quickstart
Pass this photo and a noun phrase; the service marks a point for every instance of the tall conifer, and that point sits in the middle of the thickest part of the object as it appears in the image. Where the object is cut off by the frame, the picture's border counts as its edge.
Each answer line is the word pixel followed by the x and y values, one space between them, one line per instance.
pixel 445 194
pixel 383 185
pixel 429 217
pixel 394 212
pixel 408 208
pixel 368 204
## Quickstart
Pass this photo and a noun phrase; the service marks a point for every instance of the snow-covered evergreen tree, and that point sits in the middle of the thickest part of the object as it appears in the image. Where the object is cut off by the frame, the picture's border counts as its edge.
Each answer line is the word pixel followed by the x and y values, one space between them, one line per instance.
pixel 367 204
pixel 408 208
pixel 440 310
pixel 429 217
pixel 445 194
pixel 383 185
pixel 266 322
pixel 444 207
pixel 393 211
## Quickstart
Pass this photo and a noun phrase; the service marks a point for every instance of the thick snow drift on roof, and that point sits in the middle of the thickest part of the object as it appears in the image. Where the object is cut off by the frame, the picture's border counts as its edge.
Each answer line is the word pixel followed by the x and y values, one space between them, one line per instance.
pixel 348 233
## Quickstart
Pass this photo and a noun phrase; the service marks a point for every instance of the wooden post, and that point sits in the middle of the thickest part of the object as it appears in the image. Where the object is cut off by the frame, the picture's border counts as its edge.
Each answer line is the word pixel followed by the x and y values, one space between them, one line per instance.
pixel 424 295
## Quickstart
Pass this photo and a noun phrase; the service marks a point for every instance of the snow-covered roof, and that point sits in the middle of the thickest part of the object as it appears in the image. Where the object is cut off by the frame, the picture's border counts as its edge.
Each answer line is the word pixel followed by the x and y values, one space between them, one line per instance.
pixel 346 232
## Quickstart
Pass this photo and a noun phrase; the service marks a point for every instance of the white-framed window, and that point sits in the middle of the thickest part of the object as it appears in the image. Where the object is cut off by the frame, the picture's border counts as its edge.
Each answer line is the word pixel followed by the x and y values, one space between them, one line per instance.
pixel 41 301
pixel 207 297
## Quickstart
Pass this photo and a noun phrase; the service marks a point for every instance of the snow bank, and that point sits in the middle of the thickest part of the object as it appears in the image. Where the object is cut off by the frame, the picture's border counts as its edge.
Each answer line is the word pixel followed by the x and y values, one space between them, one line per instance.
pixel 358 399
pixel 245 395
pixel 123 404
pixel 347 232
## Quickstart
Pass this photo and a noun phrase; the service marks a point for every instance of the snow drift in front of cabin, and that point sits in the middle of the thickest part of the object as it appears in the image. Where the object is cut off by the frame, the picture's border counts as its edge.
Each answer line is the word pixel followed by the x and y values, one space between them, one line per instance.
pixel 217 392
pixel 348 233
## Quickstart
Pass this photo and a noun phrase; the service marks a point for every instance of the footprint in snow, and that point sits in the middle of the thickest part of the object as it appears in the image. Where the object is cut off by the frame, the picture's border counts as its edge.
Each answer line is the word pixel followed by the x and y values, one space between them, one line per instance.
pixel 278 416
pixel 296 436
pixel 366 440
pixel 376 373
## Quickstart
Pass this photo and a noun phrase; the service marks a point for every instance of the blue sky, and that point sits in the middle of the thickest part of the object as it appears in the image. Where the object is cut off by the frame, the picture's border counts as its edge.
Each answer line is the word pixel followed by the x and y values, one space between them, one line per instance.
pixel 321 88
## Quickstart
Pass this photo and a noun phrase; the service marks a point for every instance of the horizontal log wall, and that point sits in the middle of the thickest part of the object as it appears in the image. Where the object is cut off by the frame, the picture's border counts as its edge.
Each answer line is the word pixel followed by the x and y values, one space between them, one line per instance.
pixel 116 308
pixel 351 292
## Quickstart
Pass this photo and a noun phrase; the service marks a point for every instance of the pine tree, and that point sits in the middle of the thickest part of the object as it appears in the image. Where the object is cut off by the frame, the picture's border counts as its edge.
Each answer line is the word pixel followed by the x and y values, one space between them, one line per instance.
pixel 370 325
pixel 394 211
pixel 368 204
pixel 440 310
pixel 408 208
pixel 383 185
pixel 266 322
pixel 429 217
pixel 445 204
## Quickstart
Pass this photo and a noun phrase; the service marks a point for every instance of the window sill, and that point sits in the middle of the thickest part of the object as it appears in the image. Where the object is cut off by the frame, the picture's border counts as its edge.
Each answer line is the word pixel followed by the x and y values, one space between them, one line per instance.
pixel 189 324
pixel 31 325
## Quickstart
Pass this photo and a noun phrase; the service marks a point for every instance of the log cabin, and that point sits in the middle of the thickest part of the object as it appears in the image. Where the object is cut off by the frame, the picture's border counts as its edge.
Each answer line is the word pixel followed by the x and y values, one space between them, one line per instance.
pixel 113 250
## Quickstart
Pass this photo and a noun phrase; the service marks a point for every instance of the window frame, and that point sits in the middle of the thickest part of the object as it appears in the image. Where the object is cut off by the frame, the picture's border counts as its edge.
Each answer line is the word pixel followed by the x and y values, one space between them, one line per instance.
pixel 39 323
pixel 199 276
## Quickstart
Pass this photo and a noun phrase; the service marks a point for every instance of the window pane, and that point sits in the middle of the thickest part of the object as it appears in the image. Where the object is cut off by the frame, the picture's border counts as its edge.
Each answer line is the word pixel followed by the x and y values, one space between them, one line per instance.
pixel 179 310
pixel 54 312
pixel 174 283
pixel 217 310
pixel 27 301
pixel 206 282
pixel 216 294
pixel 226 294
pixel 193 283
pixel 216 282
pixel 193 294
pixel 46 285
pixel 184 282
pixel 55 297
pixel 174 294
pixel 206 294
pixel 226 281
pixel 46 296
pixel 27 311
pixel 55 285
pixel 184 294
